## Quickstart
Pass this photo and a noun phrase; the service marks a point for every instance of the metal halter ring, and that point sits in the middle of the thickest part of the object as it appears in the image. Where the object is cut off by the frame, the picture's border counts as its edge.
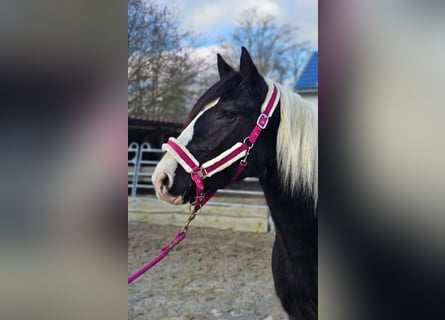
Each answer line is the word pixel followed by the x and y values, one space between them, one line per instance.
pixel 248 143
pixel 249 146
pixel 202 173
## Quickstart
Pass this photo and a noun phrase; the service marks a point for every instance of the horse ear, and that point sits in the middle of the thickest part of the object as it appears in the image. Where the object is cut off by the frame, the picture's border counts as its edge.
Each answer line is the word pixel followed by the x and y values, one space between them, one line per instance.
pixel 247 67
pixel 223 67
pixel 254 80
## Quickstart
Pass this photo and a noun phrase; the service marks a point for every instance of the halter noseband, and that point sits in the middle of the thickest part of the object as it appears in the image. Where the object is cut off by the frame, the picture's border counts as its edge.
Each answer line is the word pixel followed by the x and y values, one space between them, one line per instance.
pixel 239 150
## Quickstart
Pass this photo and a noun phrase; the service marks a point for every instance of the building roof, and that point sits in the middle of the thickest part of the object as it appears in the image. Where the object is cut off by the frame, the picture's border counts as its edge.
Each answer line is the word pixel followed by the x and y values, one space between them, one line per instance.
pixel 155 119
pixel 153 130
pixel 308 79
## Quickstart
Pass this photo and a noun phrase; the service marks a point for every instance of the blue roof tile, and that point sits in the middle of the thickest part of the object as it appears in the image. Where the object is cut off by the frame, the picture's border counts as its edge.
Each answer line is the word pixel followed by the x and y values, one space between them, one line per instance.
pixel 309 77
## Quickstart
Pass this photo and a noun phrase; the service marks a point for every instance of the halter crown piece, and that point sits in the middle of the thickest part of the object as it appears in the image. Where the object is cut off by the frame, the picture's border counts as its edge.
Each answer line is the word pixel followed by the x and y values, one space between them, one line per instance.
pixel 239 150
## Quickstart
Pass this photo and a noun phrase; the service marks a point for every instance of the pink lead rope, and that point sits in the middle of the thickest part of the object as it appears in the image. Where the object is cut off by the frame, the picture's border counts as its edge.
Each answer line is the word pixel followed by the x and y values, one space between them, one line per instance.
pixel 164 251
pixel 199 173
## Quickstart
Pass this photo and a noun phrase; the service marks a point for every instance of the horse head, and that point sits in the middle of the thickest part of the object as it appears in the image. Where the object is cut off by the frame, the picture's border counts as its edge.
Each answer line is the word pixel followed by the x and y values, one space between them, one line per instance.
pixel 222 117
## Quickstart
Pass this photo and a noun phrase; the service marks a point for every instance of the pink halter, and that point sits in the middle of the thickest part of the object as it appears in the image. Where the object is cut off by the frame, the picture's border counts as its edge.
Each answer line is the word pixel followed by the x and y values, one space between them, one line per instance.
pixel 239 150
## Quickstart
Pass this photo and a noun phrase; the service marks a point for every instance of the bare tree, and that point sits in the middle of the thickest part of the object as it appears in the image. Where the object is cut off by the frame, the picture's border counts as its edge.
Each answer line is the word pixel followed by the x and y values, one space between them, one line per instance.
pixel 274 47
pixel 161 71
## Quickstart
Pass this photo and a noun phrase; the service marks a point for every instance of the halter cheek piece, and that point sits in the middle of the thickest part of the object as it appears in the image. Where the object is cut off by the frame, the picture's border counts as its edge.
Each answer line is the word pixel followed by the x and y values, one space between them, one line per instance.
pixel 239 150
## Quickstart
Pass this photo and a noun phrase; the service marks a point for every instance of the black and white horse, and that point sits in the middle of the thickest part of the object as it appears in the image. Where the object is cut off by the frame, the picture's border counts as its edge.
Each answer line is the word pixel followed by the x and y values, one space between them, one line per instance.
pixel 284 158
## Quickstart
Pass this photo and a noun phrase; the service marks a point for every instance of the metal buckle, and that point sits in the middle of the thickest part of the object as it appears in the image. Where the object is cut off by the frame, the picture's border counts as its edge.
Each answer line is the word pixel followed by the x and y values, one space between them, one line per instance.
pixel 262 118
pixel 202 173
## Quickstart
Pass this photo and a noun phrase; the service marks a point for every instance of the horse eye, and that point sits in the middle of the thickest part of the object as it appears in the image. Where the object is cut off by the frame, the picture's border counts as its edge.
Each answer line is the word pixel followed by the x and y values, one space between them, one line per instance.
pixel 228 114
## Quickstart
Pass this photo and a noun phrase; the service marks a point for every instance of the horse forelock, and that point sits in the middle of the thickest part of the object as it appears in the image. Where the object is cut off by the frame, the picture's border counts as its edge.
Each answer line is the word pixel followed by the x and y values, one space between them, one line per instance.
pixel 297 144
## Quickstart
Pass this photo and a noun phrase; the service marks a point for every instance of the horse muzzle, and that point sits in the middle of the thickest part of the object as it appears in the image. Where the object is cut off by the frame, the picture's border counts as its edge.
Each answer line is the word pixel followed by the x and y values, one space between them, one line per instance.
pixel 162 182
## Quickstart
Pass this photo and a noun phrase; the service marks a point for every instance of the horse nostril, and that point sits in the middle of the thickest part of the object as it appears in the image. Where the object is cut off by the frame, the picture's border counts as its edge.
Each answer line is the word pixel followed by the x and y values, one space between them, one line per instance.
pixel 162 181
pixel 166 182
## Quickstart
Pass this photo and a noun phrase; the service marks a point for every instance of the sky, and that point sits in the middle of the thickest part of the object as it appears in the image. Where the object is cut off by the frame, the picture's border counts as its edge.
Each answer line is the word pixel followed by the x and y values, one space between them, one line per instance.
pixel 215 19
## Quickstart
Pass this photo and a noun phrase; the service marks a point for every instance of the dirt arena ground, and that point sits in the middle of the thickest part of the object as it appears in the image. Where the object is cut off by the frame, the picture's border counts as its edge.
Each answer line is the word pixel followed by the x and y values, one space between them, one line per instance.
pixel 212 274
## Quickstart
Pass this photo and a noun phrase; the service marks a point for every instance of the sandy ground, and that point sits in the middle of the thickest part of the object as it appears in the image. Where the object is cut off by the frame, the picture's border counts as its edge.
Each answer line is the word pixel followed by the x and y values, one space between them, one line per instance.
pixel 212 274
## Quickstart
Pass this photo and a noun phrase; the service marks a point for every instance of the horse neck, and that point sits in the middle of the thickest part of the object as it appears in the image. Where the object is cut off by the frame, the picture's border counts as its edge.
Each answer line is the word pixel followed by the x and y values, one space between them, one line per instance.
pixel 293 215
pixel 295 251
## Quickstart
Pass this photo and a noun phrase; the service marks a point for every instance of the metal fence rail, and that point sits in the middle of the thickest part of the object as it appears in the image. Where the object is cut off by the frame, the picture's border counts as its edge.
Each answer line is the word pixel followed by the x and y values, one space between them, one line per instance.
pixel 145 149
pixel 133 154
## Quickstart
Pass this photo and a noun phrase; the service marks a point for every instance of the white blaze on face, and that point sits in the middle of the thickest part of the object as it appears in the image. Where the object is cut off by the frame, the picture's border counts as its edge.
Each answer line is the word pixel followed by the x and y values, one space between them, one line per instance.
pixel 166 168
